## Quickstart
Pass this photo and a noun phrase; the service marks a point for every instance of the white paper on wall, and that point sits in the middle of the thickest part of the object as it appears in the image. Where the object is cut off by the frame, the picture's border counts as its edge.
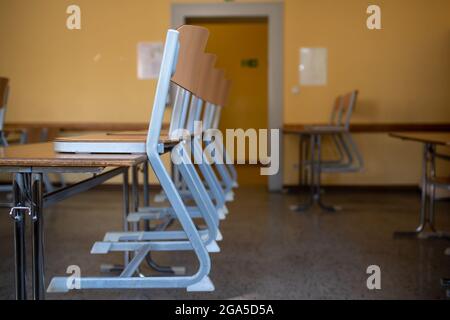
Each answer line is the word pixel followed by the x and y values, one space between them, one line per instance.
pixel 313 66
pixel 149 59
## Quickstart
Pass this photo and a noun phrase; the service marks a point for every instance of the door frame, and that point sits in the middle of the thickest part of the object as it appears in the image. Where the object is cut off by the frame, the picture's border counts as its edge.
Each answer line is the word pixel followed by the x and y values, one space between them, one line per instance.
pixel 274 12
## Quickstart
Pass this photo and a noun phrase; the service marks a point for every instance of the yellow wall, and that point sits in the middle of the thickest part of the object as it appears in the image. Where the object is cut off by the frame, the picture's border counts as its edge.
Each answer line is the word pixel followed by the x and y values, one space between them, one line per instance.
pixel 402 72
pixel 81 75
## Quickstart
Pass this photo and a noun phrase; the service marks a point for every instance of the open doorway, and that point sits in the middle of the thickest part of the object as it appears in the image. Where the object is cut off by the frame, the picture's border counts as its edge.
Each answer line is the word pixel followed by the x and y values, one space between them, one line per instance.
pixel 241 45
pixel 272 14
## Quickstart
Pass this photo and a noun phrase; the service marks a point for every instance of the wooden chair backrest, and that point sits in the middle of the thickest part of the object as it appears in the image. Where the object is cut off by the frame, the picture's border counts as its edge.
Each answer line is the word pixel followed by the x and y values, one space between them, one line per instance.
pixel 348 106
pixel 4 88
pixel 211 95
pixel 205 75
pixel 183 49
pixel 217 90
pixel 336 112
pixel 192 44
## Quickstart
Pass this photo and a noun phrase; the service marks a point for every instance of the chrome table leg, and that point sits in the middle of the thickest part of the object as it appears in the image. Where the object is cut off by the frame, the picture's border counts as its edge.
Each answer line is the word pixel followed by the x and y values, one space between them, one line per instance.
pixel 37 219
pixel 316 172
pixel 18 215
pixel 423 206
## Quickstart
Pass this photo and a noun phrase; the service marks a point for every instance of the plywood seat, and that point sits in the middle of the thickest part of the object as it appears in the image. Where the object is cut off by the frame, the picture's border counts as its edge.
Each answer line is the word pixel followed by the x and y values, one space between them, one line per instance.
pixel 130 142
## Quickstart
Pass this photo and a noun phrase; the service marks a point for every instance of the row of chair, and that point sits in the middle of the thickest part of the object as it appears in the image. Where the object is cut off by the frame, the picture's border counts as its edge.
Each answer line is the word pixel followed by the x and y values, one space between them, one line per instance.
pixel 198 189
pixel 312 164
pixel 349 157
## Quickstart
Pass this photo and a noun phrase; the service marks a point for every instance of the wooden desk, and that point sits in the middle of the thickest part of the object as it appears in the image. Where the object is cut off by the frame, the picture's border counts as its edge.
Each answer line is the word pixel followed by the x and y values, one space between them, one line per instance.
pixel 124 142
pixel 434 138
pixel 47 131
pixel 41 155
pixel 78 126
pixel 28 163
pixel 301 129
pixel 377 127
pixel 429 140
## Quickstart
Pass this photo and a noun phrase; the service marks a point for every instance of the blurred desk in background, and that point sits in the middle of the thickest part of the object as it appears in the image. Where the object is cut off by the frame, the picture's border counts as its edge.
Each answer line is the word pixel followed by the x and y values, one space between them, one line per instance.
pixel 46 131
pixel 387 127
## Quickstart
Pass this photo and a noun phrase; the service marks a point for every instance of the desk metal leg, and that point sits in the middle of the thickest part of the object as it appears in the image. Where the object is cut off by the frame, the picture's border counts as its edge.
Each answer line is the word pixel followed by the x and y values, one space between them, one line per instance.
pixel 135 205
pixel 146 185
pixel 126 210
pixel 318 195
pixel 108 268
pixel 310 202
pixel 19 238
pixel 152 264
pixel 148 259
pixel 135 192
pixel 300 163
pixel 426 217
pixel 445 283
pixel 302 155
pixel 316 172
pixel 423 206
pixel 37 236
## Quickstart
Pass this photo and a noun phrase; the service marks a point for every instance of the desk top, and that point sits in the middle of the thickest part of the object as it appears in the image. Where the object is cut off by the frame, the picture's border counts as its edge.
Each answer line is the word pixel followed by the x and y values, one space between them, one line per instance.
pixel 437 138
pixel 78 126
pixel 130 136
pixel 375 127
pixel 107 137
pixel 317 129
pixel 134 133
pixel 43 155
pixel 112 143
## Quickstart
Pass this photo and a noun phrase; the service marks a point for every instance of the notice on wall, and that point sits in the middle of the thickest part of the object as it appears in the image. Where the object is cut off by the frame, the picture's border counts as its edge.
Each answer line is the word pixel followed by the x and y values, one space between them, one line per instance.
pixel 149 59
pixel 313 66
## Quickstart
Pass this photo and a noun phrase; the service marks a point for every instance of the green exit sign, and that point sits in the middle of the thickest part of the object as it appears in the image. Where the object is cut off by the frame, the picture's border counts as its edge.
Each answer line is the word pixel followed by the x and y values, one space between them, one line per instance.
pixel 249 63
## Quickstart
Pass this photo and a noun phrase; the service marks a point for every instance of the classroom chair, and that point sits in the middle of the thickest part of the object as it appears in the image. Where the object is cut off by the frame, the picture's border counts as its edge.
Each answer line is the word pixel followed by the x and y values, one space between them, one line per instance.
pixel 4 92
pixel 212 81
pixel 185 104
pixel 204 104
pixel 349 157
pixel 180 65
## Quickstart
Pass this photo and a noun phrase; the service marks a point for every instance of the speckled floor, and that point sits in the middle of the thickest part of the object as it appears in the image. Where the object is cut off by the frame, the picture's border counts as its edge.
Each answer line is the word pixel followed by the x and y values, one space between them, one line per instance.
pixel 268 251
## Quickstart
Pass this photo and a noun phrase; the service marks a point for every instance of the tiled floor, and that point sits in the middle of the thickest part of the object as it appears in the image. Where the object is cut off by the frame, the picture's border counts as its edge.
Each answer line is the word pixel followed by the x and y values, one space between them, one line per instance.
pixel 268 251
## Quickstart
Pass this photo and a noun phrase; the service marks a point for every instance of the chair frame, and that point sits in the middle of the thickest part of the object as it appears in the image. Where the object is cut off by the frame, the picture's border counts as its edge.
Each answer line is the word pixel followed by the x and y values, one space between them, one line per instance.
pixel 184 42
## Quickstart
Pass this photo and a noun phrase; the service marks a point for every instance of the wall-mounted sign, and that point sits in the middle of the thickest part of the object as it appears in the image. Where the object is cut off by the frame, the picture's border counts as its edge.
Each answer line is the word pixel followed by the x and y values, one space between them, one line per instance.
pixel 149 59
pixel 249 63
pixel 313 66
